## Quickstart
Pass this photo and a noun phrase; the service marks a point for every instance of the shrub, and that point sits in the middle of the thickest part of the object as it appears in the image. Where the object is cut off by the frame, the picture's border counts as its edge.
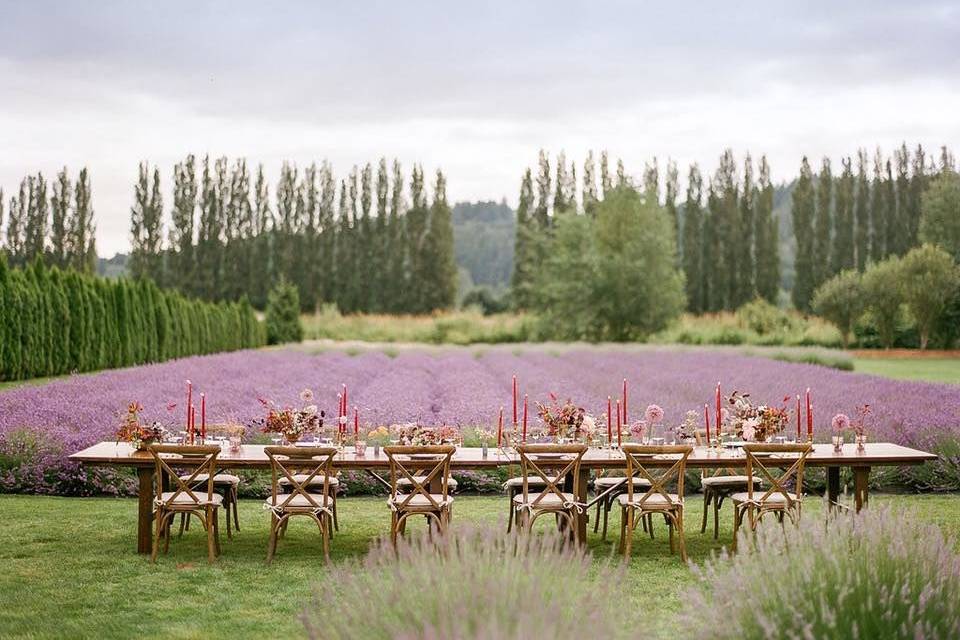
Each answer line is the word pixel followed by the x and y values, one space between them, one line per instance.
pixel 840 300
pixel 872 575
pixel 468 584
pixel 486 300
pixel 762 317
pixel 930 281
pixel 940 213
pixel 883 288
pixel 283 314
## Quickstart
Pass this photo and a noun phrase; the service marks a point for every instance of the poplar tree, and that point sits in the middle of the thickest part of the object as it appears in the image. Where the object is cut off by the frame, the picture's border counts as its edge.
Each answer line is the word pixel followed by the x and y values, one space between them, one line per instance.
pixel 308 206
pixel 918 184
pixel 878 210
pixel 823 225
pixel 606 183
pixel 621 174
pixel 263 265
pixel 726 214
pixel 767 235
pixel 523 267
pixel 746 288
pixel 693 240
pixel 562 198
pixel 890 200
pixel 181 231
pixel 83 245
pixel 60 213
pixel 803 213
pixel 589 184
pixel 366 267
pixel 671 187
pixel 397 234
pixel 651 181
pixel 712 251
pixel 326 223
pixel 35 231
pixel 16 221
pixel 843 243
pixel 138 213
pixel 541 214
pixel 901 235
pixel 239 232
pixel 286 220
pixel 439 258
pixel 417 220
pixel 862 212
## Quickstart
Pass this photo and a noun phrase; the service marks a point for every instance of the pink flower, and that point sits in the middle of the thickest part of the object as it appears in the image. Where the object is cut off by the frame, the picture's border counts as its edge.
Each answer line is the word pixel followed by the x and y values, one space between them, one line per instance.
pixel 653 414
pixel 638 429
pixel 840 422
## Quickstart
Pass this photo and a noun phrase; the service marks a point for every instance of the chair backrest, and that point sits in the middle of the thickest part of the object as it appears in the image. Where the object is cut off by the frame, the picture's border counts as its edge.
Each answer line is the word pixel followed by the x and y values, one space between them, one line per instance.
pixel 550 472
pixel 286 462
pixel 201 458
pixel 406 460
pixel 638 466
pixel 757 454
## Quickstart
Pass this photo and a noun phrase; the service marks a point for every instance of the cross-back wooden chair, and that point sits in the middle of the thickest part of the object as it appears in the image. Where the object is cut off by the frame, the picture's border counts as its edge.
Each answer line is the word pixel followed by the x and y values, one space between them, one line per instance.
pixel 608 488
pixel 545 476
pixel 656 498
pixel 188 496
pixel 227 485
pixel 718 485
pixel 778 499
pixel 300 466
pixel 426 490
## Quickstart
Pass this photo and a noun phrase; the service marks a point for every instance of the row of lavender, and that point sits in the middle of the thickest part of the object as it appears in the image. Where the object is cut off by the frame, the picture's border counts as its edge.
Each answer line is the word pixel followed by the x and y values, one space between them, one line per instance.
pixel 41 425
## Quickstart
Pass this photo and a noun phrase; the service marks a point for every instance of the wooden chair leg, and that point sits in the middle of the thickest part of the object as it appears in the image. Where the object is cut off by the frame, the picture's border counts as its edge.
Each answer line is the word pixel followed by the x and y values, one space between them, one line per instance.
pixel 680 533
pixel 326 523
pixel 631 525
pixel 596 523
pixel 650 524
pixel 235 494
pixel 607 505
pixel 216 530
pixel 737 517
pixel 670 529
pixel 165 532
pixel 156 538
pixel 716 516
pixel 706 507
pixel 226 507
pixel 183 523
pixel 272 544
pixel 211 545
pixel 336 521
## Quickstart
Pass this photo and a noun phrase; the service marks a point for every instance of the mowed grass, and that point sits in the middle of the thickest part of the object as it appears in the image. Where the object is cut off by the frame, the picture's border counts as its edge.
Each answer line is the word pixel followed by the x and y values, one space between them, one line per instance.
pixel 925 369
pixel 70 569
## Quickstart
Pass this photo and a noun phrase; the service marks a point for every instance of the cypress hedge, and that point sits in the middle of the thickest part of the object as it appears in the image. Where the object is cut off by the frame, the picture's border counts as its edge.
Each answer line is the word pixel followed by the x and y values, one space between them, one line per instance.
pixel 54 322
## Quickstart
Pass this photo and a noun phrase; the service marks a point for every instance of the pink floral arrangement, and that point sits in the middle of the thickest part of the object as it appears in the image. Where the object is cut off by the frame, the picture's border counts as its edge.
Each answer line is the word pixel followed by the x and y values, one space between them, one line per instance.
pixel 859 423
pixel 840 422
pixel 414 434
pixel 133 431
pixel 756 423
pixel 639 429
pixel 562 420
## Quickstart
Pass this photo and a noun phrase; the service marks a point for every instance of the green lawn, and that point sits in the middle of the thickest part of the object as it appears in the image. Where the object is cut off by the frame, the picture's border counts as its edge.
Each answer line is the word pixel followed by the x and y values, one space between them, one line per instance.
pixel 928 369
pixel 69 568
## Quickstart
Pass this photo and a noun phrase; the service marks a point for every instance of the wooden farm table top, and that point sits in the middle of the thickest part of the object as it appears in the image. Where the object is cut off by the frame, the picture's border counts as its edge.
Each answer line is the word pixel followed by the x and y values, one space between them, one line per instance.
pixel 252 456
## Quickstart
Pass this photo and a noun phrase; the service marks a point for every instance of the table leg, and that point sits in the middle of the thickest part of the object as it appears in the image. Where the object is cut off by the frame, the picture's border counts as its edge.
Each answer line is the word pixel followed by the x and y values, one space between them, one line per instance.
pixel 582 483
pixel 861 477
pixel 833 486
pixel 145 510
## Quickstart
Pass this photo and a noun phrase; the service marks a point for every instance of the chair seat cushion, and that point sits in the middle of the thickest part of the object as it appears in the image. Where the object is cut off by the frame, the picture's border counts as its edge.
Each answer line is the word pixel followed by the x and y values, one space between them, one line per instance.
pixel 549 501
pixel 316 482
pixel 773 499
pixel 218 479
pixel 605 482
pixel 654 500
pixel 405 482
pixel 725 481
pixel 532 481
pixel 298 501
pixel 184 498
pixel 420 501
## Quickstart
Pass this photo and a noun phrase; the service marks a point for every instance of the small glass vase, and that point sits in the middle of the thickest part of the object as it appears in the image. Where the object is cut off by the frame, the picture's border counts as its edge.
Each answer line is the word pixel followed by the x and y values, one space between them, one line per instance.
pixel 360 448
pixel 838 443
pixel 483 448
pixel 376 449
pixel 236 442
pixel 861 442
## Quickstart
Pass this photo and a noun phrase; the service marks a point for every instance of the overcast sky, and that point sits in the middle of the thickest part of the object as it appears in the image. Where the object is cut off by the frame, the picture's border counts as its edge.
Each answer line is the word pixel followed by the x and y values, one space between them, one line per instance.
pixel 473 88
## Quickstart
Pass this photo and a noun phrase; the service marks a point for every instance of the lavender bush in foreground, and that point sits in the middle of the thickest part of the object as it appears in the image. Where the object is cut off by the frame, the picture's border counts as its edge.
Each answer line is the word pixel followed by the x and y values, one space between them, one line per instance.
pixel 880 574
pixel 462 387
pixel 471 583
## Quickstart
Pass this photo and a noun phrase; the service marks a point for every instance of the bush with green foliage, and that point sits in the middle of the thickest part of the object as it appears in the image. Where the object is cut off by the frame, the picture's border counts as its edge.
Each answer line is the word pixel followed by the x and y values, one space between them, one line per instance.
pixel 930 282
pixel 841 301
pixel 883 288
pixel 610 276
pixel 56 322
pixel 486 300
pixel 879 574
pixel 470 583
pixel 283 314
pixel 940 213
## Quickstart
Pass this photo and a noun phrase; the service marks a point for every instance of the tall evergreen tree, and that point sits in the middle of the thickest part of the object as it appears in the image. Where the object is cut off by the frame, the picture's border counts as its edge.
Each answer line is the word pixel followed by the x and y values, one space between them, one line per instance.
pixel 726 215
pixel 767 234
pixel 606 182
pixel 589 184
pixel 82 247
pixel 862 212
pixel 803 214
pixel 562 198
pixel 746 265
pixel 901 235
pixel 326 222
pixel 35 231
pixel 843 243
pixel 693 240
pixel 541 214
pixel 181 229
pixel 878 211
pixel 823 225
pixel 671 188
pixel 262 265
pixel 59 215
pixel 441 292
pixel 397 240
pixel 16 222
pixel 521 281
pixel 651 180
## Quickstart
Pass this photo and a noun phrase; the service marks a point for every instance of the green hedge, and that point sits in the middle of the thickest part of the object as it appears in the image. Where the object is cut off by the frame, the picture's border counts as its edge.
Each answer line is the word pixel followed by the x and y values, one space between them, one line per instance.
pixel 55 322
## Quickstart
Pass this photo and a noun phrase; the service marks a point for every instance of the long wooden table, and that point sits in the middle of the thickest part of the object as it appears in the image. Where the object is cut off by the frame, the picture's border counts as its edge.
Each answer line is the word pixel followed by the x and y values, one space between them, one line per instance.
pixel 250 456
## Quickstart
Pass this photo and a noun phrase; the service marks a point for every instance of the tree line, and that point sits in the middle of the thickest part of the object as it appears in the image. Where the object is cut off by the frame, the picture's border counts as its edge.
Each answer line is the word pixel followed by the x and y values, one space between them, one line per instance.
pixel 864 214
pixel 53 222
pixel 725 237
pixel 55 322
pixel 370 244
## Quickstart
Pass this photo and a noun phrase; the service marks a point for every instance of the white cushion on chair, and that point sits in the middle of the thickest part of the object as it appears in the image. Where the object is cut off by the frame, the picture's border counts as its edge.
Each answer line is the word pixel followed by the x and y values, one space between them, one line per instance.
pixel 549 501
pixel 316 482
pixel 405 482
pixel 420 501
pixel 220 478
pixel 185 499
pixel 653 500
pixel 723 481
pixel 605 482
pixel 532 481
pixel 298 500
pixel 776 498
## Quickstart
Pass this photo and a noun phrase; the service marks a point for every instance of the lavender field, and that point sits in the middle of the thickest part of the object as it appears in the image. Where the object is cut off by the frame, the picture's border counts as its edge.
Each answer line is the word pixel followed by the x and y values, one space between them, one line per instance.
pixel 40 425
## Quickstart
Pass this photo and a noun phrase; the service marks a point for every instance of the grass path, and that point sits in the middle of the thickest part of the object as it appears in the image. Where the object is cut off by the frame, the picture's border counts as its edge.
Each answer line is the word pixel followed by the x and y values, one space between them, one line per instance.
pixel 69 569
pixel 925 369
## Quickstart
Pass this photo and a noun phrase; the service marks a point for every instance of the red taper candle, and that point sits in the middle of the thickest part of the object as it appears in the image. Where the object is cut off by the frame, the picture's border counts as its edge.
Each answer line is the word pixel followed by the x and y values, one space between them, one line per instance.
pixel 189 402
pixel 625 421
pixel 799 431
pixel 706 420
pixel 524 418
pixel 514 401
pixel 609 419
pixel 717 421
pixel 619 426
pixel 500 428
pixel 809 416
pixel 203 417
pixel 193 422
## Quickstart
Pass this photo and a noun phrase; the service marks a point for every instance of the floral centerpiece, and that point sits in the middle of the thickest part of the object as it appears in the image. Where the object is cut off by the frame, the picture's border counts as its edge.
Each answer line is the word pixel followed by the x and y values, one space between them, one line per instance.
pixel 840 423
pixel 563 421
pixel 754 423
pixel 415 434
pixel 291 423
pixel 687 429
pixel 133 431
